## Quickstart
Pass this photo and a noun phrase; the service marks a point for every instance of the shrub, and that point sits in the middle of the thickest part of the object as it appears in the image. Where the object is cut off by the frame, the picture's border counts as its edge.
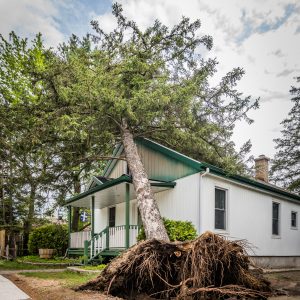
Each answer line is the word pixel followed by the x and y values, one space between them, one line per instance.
pixel 50 237
pixel 177 230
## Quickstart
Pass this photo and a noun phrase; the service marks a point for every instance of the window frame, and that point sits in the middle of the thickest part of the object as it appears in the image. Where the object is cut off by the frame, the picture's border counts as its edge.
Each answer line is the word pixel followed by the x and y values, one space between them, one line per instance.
pixel 278 235
pixel 296 219
pixel 225 209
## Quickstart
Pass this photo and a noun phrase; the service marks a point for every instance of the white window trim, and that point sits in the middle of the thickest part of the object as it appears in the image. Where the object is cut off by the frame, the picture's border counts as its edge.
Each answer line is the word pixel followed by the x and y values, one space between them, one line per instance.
pixel 275 236
pixel 226 189
pixel 294 227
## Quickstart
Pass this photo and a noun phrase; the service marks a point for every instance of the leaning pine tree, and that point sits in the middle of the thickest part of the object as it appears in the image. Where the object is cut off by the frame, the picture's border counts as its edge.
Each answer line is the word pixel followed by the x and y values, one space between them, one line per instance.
pixel 130 83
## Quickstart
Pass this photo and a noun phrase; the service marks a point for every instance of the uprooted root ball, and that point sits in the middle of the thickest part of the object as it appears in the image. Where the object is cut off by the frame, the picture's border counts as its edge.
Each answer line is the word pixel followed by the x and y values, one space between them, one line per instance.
pixel 210 267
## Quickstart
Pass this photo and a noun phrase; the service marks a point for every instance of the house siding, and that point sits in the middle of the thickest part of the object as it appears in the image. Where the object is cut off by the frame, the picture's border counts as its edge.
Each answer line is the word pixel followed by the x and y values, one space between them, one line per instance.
pixel 101 216
pixel 182 202
pixel 249 216
pixel 161 167
pixel 119 169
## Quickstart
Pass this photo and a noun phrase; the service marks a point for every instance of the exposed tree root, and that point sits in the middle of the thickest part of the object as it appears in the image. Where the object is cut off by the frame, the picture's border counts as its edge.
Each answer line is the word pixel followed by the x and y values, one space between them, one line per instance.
pixel 208 267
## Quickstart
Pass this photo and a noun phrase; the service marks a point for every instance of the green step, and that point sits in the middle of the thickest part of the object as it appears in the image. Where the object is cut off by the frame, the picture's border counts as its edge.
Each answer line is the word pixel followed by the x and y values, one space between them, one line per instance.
pixel 76 251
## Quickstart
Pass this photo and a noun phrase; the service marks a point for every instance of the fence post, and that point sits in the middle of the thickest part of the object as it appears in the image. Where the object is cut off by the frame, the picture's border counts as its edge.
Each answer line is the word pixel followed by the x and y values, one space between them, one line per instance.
pixel 7 251
pixel 107 237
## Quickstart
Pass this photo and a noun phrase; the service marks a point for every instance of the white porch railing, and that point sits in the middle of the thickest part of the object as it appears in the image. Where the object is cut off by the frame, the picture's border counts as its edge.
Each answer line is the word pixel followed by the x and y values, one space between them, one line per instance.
pixel 77 238
pixel 117 236
pixel 109 238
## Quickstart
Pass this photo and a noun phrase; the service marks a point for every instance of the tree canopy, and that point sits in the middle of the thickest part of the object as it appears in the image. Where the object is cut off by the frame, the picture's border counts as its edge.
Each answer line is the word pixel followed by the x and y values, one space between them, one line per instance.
pixel 75 103
pixel 286 163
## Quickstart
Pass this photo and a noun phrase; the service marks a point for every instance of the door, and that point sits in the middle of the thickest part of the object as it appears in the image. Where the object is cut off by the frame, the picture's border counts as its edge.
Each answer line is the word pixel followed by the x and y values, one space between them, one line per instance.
pixel 112 216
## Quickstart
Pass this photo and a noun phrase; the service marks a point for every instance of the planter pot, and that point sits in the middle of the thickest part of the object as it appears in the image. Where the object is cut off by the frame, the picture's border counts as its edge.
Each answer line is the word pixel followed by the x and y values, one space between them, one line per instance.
pixel 46 253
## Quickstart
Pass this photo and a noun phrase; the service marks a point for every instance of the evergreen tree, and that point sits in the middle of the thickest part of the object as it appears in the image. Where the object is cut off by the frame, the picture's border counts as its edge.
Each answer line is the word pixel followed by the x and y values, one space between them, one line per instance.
pixel 153 84
pixel 286 163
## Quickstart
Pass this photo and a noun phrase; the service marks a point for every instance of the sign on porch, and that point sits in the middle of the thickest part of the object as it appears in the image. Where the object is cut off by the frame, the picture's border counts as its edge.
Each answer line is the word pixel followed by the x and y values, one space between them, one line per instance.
pixel 84 216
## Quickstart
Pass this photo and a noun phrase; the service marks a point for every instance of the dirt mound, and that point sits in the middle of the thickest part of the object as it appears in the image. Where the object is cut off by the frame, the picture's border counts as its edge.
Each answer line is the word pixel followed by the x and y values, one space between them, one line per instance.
pixel 209 266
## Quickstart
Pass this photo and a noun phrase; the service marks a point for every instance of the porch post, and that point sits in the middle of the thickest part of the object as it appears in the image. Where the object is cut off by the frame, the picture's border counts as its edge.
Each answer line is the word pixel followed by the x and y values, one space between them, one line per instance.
pixel 93 224
pixel 69 225
pixel 127 216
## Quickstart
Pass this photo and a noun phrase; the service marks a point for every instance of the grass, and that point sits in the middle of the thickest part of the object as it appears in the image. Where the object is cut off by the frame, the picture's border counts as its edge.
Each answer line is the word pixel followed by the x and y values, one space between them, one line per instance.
pixel 54 260
pixel 67 278
pixel 93 268
pixel 16 265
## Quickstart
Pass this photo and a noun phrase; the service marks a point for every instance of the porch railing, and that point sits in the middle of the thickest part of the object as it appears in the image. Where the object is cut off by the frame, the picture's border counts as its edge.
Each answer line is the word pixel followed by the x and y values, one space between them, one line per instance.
pixel 77 238
pixel 110 238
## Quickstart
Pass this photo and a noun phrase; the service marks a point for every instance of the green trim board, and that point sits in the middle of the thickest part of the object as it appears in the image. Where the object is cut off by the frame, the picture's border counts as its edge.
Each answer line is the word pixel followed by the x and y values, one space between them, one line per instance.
pixel 114 182
pixel 112 162
pixel 202 166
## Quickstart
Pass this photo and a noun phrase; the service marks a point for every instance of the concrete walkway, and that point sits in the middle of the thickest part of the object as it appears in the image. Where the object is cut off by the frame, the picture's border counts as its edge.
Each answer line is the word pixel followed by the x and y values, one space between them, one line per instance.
pixel 9 291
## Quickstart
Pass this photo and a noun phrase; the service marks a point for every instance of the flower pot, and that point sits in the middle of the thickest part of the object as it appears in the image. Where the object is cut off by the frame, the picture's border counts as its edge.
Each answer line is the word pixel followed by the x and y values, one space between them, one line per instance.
pixel 46 253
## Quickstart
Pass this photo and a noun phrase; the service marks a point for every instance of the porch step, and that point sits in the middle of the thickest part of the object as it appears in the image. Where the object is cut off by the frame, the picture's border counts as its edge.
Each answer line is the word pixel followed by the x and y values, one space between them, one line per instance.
pixel 76 251
pixel 111 252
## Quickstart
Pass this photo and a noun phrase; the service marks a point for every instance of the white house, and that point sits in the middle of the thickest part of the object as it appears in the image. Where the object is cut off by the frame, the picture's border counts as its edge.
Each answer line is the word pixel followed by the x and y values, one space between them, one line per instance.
pixel 189 190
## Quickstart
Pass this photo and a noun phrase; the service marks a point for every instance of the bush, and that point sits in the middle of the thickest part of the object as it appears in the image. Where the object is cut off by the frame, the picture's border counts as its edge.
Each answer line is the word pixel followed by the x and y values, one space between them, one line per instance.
pixel 177 231
pixel 50 237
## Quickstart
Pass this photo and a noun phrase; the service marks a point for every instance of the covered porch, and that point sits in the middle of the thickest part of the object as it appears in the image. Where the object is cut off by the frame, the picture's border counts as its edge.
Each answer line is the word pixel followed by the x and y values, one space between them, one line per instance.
pixel 114 217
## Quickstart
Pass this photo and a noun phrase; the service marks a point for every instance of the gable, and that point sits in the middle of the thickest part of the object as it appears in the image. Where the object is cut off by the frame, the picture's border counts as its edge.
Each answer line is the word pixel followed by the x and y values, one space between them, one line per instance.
pixel 159 164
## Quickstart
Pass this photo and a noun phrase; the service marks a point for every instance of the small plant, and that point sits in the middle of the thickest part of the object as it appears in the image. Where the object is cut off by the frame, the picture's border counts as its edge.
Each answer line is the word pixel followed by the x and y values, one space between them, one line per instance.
pixel 49 237
pixel 177 231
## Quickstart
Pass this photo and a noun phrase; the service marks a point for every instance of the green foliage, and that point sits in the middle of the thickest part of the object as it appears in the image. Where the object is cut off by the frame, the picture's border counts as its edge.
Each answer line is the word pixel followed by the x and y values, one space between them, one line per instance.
pixel 18 265
pixel 286 163
pixel 177 230
pixel 50 237
pixel 55 260
pixel 93 268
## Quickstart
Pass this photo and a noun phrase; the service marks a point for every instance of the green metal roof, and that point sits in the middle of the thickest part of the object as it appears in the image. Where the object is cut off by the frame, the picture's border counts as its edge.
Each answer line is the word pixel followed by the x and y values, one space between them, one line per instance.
pixel 112 183
pixel 201 166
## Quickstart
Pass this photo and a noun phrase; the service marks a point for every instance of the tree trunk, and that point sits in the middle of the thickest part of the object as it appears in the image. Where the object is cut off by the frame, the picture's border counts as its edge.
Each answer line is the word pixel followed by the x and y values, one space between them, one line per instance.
pixel 76 210
pixel 28 222
pixel 151 218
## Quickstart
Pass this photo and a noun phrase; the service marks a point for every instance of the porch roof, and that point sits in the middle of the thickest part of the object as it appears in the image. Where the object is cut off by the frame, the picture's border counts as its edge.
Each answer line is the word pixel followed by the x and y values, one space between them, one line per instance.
pixel 113 192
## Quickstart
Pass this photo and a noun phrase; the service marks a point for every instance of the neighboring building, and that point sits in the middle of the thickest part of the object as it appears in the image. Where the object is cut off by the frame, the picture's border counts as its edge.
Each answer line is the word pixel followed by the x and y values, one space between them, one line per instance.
pixel 185 189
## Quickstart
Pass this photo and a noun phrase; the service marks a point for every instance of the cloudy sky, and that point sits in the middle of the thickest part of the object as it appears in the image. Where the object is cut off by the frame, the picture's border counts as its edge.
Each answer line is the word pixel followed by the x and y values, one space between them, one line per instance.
pixel 263 37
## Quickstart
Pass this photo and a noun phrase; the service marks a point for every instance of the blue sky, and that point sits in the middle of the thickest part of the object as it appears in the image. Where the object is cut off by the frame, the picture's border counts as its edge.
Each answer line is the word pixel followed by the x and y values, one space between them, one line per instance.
pixel 263 37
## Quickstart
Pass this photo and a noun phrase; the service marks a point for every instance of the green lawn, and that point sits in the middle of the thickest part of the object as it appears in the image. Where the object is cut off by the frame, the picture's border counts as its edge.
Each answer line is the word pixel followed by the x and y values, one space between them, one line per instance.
pixel 15 265
pixel 54 260
pixel 93 268
pixel 67 278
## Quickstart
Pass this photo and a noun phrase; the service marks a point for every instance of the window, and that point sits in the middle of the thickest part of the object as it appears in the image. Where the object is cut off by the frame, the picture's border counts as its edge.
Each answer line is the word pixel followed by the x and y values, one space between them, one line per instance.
pixel 294 219
pixel 220 209
pixel 112 216
pixel 275 218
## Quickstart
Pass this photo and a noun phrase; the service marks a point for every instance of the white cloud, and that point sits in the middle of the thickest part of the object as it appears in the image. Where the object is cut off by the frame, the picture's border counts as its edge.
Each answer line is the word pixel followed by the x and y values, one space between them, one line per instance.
pixel 30 17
